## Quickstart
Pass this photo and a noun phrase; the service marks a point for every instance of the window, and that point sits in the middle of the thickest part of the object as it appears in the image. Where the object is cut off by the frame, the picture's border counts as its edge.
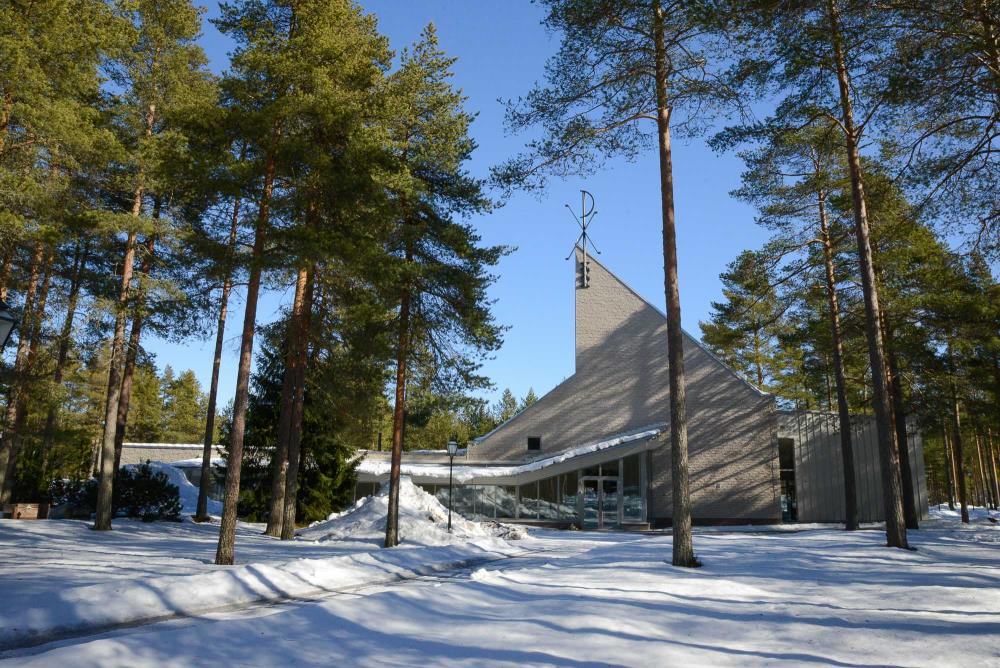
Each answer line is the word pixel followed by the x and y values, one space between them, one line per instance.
pixel 528 506
pixel 632 507
pixel 534 442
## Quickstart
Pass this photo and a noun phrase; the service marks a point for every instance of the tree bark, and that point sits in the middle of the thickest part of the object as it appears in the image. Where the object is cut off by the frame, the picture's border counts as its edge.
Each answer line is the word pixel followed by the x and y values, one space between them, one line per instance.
pixel 102 521
pixel 279 461
pixel 984 480
pixel 105 511
pixel 132 353
pixel 892 497
pixel 398 413
pixel 959 461
pixel 205 481
pixel 949 466
pixel 902 436
pixel 11 439
pixel 683 547
pixel 225 552
pixel 298 408
pixel 851 520
pixel 8 260
pixel 72 299
pixel 34 333
pixel 992 455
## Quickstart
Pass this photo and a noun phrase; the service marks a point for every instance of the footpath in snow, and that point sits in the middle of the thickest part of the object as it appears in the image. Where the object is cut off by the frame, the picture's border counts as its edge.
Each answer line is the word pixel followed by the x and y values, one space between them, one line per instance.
pixel 60 578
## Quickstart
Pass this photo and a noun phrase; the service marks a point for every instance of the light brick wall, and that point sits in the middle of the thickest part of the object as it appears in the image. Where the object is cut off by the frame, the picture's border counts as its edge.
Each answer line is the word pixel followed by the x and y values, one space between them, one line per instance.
pixel 139 453
pixel 621 384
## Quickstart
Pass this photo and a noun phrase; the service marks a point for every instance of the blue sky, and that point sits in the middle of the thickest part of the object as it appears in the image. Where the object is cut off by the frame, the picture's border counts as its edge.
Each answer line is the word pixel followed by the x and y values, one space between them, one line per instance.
pixel 501 49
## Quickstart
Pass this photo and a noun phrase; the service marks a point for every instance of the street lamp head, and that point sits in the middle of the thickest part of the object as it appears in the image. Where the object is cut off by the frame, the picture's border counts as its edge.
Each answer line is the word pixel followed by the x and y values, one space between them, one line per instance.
pixel 452 447
pixel 7 323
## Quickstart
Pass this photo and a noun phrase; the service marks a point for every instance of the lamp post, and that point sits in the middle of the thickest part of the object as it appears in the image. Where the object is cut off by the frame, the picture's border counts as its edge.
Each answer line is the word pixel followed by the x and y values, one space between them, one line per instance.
pixel 7 323
pixel 452 451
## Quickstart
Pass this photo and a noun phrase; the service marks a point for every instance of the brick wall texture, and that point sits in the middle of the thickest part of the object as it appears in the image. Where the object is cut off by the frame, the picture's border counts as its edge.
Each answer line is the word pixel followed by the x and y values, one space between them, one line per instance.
pixel 621 384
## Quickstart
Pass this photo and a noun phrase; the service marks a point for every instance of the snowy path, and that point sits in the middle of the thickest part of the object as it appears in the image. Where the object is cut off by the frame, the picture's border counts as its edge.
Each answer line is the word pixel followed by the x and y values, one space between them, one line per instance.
pixel 815 598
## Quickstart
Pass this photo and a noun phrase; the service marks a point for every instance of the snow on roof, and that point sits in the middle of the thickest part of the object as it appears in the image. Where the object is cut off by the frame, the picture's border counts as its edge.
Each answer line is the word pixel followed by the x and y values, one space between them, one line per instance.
pixel 196 461
pixel 167 446
pixel 379 467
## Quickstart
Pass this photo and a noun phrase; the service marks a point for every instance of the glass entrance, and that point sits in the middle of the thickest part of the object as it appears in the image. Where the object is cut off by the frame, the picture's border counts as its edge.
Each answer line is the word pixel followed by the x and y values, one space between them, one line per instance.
pixel 600 502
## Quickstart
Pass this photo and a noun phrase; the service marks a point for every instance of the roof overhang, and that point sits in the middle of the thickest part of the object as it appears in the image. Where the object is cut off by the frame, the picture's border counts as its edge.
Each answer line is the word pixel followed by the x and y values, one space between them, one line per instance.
pixel 375 468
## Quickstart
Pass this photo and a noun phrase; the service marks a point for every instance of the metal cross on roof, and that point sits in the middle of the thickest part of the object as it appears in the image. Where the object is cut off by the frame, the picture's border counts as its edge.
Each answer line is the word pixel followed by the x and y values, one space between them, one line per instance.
pixel 586 216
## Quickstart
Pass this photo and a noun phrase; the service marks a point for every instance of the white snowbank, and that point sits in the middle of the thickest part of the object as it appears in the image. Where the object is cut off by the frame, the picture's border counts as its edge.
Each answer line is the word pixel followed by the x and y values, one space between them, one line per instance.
pixel 422 520
pixel 464 474
pixel 428 547
pixel 977 515
pixel 93 607
pixel 188 491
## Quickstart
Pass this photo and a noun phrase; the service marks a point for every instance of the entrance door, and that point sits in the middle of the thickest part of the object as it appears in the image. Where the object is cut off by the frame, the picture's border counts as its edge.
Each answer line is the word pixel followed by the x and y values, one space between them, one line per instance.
pixel 591 494
pixel 600 501
pixel 609 502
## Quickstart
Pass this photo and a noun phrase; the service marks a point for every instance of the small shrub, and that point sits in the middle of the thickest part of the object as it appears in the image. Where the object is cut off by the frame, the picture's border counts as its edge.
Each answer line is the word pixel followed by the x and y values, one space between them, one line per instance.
pixel 139 492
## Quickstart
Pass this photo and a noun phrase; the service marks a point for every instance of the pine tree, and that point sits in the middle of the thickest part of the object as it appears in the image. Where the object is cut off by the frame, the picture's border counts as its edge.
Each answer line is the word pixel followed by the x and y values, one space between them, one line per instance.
pixel 50 125
pixel 529 399
pixel 164 70
pixel 506 406
pixel 945 91
pixel 744 329
pixel 286 81
pixel 829 58
pixel 184 407
pixel 791 176
pixel 440 270
pixel 621 64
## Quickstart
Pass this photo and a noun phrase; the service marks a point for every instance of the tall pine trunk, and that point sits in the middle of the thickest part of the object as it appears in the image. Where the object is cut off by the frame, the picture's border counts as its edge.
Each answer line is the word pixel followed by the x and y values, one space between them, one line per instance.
pixel 892 496
pixel 19 377
pixel 34 334
pixel 910 512
pixel 279 461
pixel 102 519
pixel 5 267
pixel 957 451
pixel 984 479
pixel 398 413
pixel 298 407
pixel 992 465
pixel 132 353
pixel 205 481
pixel 946 461
pixel 225 552
pixel 683 547
pixel 72 299
pixel 851 520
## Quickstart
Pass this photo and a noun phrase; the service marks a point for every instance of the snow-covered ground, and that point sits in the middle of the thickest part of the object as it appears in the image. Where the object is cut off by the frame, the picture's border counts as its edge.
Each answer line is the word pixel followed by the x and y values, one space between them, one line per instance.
pixel 815 597
pixel 60 577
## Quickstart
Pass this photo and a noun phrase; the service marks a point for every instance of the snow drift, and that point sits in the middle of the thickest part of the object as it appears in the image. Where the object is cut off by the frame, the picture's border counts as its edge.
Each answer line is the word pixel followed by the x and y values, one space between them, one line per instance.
pixel 188 491
pixel 427 548
pixel 423 520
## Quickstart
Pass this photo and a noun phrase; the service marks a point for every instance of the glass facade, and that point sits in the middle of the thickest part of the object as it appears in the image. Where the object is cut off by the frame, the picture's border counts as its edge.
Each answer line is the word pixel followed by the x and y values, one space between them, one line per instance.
pixel 606 495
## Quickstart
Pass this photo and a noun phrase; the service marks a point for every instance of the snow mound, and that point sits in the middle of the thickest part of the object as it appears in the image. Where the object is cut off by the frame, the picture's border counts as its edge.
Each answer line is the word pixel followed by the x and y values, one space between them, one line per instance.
pixel 423 520
pixel 977 515
pixel 188 491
